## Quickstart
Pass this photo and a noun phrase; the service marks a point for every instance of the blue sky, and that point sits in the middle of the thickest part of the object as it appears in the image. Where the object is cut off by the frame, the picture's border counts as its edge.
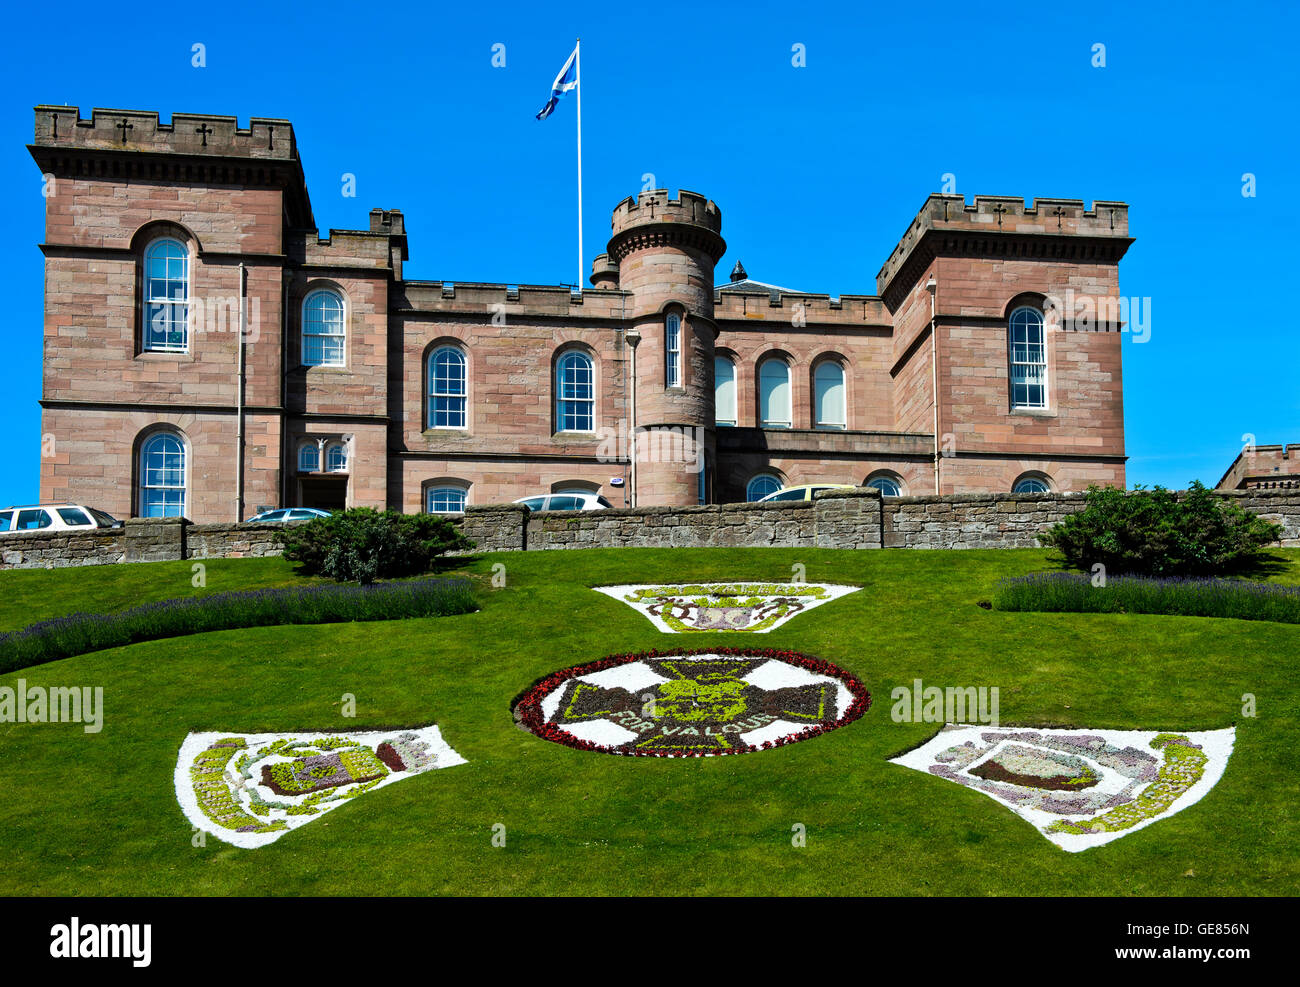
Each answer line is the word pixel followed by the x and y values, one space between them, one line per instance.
pixel 818 170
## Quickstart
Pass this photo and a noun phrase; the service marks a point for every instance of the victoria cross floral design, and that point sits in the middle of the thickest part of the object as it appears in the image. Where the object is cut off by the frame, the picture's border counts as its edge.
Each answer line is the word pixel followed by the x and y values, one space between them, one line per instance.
pixel 692 703
pixel 754 607
pixel 1080 788
pixel 251 789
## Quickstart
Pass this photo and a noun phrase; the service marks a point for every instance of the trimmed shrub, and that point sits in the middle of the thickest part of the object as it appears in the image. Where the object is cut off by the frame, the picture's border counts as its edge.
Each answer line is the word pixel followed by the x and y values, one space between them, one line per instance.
pixel 80 633
pixel 361 545
pixel 1069 592
pixel 1159 533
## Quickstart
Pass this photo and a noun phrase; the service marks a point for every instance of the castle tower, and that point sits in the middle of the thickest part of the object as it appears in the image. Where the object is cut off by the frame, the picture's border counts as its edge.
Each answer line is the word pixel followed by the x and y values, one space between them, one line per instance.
pixel 665 250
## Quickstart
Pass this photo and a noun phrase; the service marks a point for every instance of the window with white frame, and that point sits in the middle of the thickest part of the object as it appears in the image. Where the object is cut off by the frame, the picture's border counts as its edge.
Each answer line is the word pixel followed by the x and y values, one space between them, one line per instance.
pixel 448 389
pixel 774 394
pixel 673 350
pixel 162 475
pixel 888 485
pixel 575 393
pixel 724 390
pixel 1031 483
pixel 1028 359
pixel 336 458
pixel 323 335
pixel 828 383
pixel 308 457
pixel 446 499
pixel 762 485
pixel 166 297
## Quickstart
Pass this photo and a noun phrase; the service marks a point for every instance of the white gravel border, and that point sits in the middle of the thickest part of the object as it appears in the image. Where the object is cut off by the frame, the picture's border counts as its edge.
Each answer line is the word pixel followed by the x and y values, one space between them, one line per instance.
pixel 444 757
pixel 1216 744
pixel 620 593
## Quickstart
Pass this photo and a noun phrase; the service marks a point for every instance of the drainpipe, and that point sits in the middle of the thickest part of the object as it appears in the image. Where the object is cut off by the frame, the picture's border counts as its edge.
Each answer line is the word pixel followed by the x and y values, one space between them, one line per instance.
pixel 932 286
pixel 239 404
pixel 632 337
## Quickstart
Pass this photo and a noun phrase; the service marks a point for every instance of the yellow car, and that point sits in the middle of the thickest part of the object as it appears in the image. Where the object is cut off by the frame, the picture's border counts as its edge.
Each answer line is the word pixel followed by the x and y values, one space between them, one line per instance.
pixel 804 491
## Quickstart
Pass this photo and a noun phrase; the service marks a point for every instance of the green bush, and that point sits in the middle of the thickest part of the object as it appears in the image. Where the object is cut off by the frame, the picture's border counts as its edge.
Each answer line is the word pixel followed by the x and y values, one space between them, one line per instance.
pixel 361 545
pixel 1159 533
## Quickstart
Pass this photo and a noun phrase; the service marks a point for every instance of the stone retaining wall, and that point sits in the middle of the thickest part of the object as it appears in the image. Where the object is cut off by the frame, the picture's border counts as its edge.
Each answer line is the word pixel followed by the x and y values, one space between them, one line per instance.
pixel 836 519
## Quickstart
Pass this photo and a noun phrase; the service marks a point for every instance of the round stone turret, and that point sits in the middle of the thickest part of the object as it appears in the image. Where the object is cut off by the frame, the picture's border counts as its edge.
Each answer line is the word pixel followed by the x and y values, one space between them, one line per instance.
pixel 665 251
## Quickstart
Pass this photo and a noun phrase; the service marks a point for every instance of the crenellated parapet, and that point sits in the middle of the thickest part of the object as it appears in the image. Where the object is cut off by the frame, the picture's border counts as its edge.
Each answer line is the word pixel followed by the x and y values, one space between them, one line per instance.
pixel 1046 229
pixel 194 148
pixel 481 301
pixel 188 133
pixel 653 219
pixel 792 308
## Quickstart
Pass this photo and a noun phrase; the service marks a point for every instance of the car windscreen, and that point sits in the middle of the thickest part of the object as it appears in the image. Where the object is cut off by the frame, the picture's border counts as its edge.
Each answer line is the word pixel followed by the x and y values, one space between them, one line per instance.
pixel 103 518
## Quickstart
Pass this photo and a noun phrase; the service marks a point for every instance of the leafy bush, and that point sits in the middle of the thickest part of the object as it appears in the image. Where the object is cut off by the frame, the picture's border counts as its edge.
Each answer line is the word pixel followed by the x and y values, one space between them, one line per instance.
pixel 80 633
pixel 361 545
pixel 1069 592
pixel 1159 533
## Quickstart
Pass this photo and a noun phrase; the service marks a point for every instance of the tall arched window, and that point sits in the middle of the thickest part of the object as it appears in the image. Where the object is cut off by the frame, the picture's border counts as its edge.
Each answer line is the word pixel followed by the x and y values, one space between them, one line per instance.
pixel 673 350
pixel 1028 359
pixel 762 485
pixel 322 329
pixel 162 475
pixel 166 296
pixel 575 393
pixel 448 389
pixel 829 395
pixel 774 394
pixel 336 458
pixel 446 499
pixel 308 457
pixel 724 391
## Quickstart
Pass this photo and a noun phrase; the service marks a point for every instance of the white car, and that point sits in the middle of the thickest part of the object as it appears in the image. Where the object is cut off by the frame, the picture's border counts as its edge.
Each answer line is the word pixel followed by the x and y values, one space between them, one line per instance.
pixel 573 500
pixel 55 517
pixel 289 514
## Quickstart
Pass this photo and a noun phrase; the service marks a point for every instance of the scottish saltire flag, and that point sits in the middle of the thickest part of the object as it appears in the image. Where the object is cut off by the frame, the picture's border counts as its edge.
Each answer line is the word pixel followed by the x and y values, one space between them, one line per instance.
pixel 566 80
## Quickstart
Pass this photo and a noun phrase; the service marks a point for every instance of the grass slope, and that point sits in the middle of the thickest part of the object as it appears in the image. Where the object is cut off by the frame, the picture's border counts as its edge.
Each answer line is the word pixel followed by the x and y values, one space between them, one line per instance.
pixel 96 814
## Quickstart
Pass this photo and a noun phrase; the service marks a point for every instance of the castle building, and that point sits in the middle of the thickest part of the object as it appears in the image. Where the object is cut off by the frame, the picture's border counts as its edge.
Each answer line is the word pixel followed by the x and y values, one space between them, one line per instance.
pixel 1275 467
pixel 352 384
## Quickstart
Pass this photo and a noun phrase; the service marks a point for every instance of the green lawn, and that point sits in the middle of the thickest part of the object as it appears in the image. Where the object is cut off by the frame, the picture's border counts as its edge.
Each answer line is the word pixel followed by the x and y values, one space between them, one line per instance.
pixel 96 814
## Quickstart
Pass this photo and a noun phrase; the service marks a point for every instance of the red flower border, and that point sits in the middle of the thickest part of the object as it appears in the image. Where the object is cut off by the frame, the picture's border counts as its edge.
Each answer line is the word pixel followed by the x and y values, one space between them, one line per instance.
pixel 528 708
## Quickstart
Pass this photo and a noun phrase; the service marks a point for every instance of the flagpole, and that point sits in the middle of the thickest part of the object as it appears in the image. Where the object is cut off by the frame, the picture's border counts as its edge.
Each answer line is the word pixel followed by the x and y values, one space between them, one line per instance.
pixel 577 65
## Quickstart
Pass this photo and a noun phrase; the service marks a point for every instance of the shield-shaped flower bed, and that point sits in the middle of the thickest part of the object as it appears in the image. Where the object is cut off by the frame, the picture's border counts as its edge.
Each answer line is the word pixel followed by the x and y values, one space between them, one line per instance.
pixel 754 607
pixel 1080 788
pixel 692 703
pixel 251 789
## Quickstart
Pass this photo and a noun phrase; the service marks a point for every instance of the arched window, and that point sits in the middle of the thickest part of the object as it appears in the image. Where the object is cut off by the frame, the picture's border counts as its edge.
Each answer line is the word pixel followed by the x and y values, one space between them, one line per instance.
pixel 673 350
pixel 829 389
pixel 448 390
pixel 774 394
pixel 308 457
pixel 322 329
pixel 166 296
pixel 887 484
pixel 724 391
pixel 1033 483
pixel 762 485
pixel 1028 359
pixel 575 393
pixel 446 499
pixel 162 476
pixel 336 457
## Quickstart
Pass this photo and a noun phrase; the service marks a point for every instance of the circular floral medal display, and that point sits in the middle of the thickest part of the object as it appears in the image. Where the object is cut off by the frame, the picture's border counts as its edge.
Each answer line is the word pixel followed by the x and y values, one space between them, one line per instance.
pixel 692 703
